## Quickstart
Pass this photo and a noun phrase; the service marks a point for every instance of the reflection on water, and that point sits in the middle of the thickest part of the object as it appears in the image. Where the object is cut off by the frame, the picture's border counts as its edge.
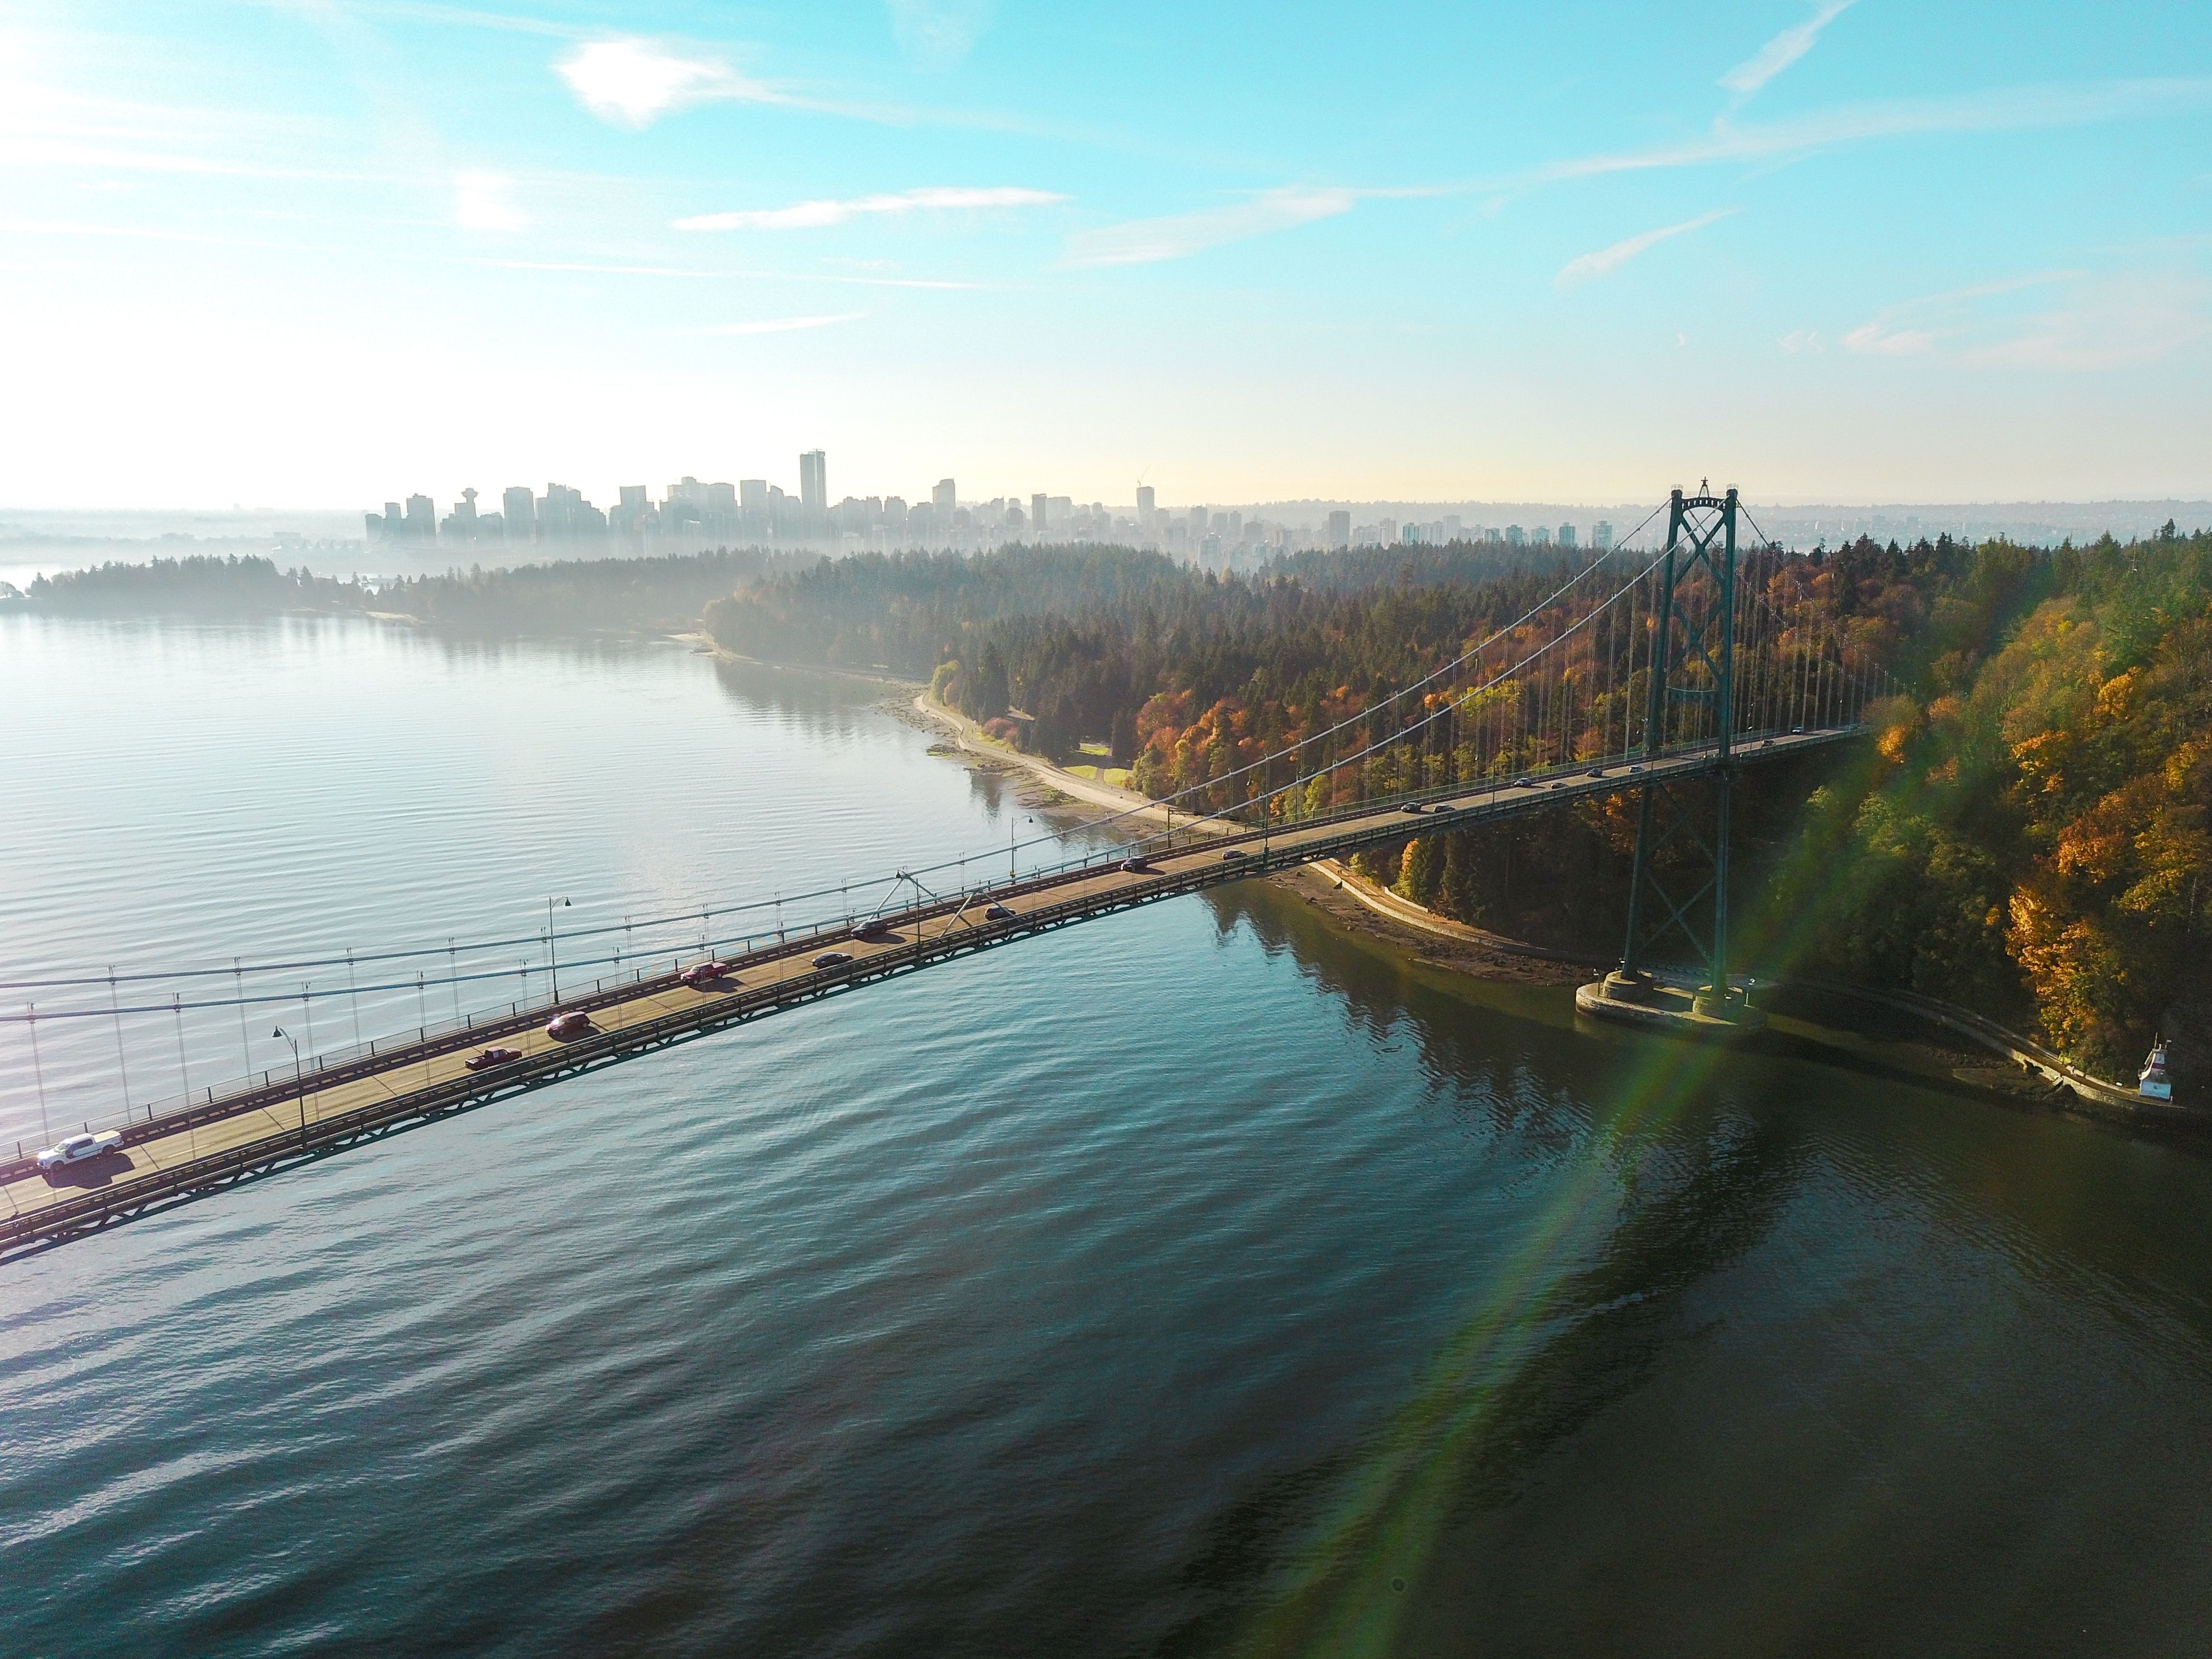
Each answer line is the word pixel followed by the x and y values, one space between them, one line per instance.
pixel 1201 1280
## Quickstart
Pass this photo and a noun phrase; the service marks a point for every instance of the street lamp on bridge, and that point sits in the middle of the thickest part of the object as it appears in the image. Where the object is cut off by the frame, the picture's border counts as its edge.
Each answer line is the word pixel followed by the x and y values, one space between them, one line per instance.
pixel 552 959
pixel 299 1077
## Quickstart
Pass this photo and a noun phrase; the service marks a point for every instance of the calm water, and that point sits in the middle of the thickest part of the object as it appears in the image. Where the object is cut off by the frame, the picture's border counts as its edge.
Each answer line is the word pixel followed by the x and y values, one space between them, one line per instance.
pixel 1197 1281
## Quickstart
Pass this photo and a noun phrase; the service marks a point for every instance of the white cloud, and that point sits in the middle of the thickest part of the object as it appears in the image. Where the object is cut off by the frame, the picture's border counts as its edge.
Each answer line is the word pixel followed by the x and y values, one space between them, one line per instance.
pixel 1142 241
pixel 485 201
pixel 1783 50
pixel 1801 340
pixel 1585 267
pixel 814 215
pixel 784 324
pixel 935 35
pixel 1880 337
pixel 631 82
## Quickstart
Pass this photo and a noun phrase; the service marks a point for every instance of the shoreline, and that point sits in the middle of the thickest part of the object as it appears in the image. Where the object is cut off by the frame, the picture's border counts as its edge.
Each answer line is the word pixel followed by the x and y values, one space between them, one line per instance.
pixel 1998 1064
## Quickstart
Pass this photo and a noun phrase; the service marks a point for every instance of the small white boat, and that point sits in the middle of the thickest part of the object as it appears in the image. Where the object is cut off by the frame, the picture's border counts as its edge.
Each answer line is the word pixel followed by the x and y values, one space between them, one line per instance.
pixel 2152 1085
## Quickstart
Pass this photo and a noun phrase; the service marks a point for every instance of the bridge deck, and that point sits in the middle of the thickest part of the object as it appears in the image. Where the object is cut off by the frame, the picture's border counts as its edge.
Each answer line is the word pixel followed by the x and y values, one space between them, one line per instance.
pixel 174 1156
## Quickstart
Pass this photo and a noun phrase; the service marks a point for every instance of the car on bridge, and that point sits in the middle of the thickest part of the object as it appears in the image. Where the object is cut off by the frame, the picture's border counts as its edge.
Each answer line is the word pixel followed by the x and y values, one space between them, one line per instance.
pixel 832 959
pixel 1235 856
pixel 999 913
pixel 706 973
pixel 1524 782
pixel 874 927
pixel 573 1024
pixel 1135 867
pixel 491 1057
pixel 77 1149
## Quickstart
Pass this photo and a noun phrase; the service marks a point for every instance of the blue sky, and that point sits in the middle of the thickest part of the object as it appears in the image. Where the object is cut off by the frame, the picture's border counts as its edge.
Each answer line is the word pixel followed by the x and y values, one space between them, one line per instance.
pixel 326 251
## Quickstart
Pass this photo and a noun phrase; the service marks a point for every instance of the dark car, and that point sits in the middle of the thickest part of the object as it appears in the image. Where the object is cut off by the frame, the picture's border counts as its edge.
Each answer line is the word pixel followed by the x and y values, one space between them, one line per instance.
pixel 874 927
pixel 573 1024
pixel 1234 854
pixel 1136 868
pixel 1524 782
pixel 491 1057
pixel 1412 806
pixel 999 913
pixel 1597 771
pixel 831 959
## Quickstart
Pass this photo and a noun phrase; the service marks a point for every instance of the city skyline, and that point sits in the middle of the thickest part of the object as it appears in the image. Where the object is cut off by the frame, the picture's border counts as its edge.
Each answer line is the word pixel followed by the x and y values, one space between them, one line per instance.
pixel 1851 250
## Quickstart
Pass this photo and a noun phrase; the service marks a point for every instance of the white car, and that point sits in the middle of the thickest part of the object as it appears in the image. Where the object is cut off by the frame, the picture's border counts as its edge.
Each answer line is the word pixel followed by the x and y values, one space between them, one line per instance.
pixel 77 1148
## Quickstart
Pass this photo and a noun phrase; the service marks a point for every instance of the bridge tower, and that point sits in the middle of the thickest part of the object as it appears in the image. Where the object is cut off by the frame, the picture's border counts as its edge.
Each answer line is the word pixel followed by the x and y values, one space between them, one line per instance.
pixel 1689 707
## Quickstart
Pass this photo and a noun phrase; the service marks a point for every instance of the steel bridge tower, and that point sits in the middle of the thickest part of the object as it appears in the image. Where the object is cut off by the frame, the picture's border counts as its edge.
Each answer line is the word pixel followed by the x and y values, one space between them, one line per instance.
pixel 1689 704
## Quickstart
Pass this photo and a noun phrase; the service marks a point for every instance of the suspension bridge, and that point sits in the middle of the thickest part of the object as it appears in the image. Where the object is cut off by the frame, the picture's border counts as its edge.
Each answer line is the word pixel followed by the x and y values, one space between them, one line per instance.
pixel 1657 672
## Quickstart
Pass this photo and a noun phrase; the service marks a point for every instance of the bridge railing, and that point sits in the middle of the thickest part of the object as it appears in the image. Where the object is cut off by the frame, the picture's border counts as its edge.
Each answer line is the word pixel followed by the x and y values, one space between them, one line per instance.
pixel 326 1069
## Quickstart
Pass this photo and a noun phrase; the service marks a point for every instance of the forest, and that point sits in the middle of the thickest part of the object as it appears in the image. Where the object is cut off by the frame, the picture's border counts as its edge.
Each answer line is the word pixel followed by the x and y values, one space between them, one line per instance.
pixel 668 592
pixel 2025 835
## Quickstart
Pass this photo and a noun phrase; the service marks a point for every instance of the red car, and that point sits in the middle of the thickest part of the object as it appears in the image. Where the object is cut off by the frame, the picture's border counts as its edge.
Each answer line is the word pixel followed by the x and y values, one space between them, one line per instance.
pixel 706 973
pixel 491 1057
pixel 573 1024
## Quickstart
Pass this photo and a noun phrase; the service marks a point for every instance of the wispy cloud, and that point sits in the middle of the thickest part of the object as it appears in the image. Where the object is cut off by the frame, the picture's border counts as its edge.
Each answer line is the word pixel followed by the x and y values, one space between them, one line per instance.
pixel 2101 322
pixel 1783 50
pixel 1582 269
pixel 633 82
pixel 936 34
pixel 1799 341
pixel 815 215
pixel 585 268
pixel 485 201
pixel 784 324
pixel 2002 109
pixel 1144 241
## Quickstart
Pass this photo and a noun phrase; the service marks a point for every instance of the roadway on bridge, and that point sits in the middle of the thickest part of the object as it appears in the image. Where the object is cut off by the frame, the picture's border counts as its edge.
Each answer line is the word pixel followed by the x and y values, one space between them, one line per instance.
pixel 155 1158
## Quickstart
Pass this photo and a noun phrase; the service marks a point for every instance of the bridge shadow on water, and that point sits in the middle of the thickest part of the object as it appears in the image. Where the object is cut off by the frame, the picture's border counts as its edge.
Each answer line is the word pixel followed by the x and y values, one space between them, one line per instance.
pixel 1666 1185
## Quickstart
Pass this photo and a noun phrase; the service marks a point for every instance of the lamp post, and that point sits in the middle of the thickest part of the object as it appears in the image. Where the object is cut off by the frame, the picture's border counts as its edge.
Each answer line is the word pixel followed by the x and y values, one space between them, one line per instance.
pixel 551 961
pixel 299 1077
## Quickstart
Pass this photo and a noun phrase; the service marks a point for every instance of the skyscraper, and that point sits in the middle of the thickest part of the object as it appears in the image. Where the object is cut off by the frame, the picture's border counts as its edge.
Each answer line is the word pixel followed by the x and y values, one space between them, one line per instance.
pixel 1601 535
pixel 1339 528
pixel 1145 506
pixel 1567 535
pixel 945 500
pixel 421 519
pixel 1040 515
pixel 813 484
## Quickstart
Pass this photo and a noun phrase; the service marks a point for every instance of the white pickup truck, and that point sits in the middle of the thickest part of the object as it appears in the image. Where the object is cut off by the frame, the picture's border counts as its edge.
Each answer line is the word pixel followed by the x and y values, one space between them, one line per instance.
pixel 77 1148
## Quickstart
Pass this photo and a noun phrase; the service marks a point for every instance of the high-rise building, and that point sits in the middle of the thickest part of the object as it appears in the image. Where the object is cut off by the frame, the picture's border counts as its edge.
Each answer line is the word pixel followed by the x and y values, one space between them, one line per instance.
pixel 1339 528
pixel 421 519
pixel 813 484
pixel 1567 535
pixel 752 494
pixel 1145 504
pixel 946 501
pixel 521 508
pixel 1040 515
pixel 1601 536
pixel 1515 537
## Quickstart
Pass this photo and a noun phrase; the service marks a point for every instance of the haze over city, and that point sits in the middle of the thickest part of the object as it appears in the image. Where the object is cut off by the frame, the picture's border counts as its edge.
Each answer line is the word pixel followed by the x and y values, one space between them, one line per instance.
pixel 283 254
